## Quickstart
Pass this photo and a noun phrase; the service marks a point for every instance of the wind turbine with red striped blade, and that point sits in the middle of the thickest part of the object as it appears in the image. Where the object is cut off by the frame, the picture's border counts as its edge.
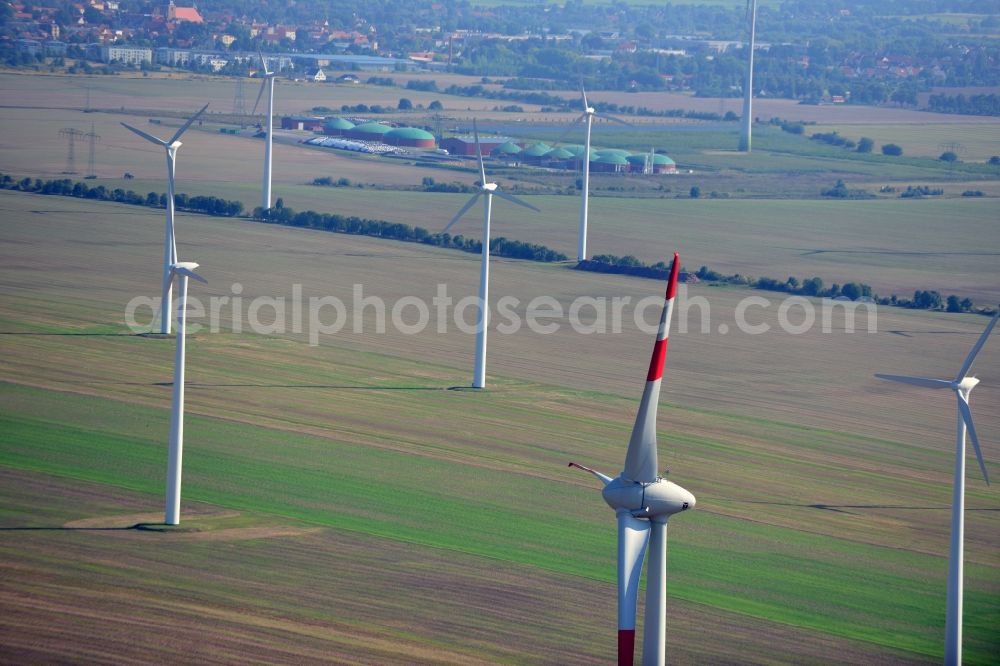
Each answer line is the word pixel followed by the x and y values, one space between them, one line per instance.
pixel 962 385
pixel 490 190
pixel 643 502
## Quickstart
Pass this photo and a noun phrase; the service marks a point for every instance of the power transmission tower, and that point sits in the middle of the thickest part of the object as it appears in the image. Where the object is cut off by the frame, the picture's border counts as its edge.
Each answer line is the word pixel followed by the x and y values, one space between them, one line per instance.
pixel 91 162
pixel 71 135
pixel 240 103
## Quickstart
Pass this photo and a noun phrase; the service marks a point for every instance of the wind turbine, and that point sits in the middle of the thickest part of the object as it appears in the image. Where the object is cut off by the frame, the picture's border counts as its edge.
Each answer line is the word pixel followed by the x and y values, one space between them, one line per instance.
pixel 643 502
pixel 490 190
pixel 181 270
pixel 169 241
pixel 268 83
pixel 962 385
pixel 587 116
pixel 748 83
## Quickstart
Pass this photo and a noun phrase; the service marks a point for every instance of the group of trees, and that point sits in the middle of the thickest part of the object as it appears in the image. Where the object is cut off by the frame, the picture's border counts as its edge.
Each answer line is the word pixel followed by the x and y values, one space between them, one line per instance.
pixel 862 145
pixel 841 191
pixel 974 105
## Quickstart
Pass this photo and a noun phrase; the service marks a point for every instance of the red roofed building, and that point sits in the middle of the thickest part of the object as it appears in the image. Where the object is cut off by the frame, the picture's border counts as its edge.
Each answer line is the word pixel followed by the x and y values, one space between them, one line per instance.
pixel 183 14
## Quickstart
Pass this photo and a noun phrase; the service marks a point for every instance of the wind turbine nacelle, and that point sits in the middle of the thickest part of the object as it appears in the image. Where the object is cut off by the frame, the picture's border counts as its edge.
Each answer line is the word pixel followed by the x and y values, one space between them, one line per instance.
pixel 489 187
pixel 660 498
pixel 968 383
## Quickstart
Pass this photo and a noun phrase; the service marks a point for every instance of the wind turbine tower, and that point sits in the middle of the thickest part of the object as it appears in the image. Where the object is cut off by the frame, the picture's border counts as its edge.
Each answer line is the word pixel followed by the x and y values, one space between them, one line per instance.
pixel 587 117
pixel 962 385
pixel 490 190
pixel 169 241
pixel 747 120
pixel 172 516
pixel 267 83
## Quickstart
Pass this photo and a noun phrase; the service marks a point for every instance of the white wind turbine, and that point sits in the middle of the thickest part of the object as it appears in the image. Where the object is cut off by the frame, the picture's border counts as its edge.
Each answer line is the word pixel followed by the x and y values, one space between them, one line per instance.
pixel 962 385
pixel 588 117
pixel 181 270
pixel 748 82
pixel 643 502
pixel 489 189
pixel 169 241
pixel 268 83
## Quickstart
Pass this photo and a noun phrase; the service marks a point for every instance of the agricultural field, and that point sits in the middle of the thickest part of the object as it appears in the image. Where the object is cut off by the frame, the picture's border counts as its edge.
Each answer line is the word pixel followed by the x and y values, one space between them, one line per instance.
pixel 173 92
pixel 972 143
pixel 302 457
pixel 347 499
pixel 782 178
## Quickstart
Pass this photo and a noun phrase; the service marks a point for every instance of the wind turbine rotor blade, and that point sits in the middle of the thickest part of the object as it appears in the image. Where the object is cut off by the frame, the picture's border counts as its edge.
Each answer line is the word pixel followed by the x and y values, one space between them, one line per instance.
pixel 583 94
pixel 263 63
pixel 513 199
pixel 975 350
pixel 613 119
pixel 572 126
pixel 147 137
pixel 604 478
pixel 640 459
pixel 260 93
pixel 479 153
pixel 461 212
pixel 180 270
pixel 966 415
pixel 633 536
pixel 184 127
pixel 924 382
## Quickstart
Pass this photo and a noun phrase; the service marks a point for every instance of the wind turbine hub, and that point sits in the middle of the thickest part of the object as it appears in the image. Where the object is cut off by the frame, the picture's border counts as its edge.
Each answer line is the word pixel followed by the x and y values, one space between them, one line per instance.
pixel 647 500
pixel 489 187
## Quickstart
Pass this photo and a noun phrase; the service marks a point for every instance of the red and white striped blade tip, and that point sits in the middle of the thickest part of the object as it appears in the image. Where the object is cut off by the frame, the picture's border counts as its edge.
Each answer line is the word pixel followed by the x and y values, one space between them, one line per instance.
pixel 641 458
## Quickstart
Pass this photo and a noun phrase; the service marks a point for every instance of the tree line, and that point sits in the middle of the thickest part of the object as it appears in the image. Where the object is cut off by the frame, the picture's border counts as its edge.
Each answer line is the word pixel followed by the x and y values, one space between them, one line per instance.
pixel 280 214
pixel 501 247
pixel 814 286
pixel 207 205
pixel 974 105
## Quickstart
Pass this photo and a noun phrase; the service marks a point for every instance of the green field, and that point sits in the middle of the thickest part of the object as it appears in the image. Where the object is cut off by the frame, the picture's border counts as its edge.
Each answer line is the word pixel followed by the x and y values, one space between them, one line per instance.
pixel 348 501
